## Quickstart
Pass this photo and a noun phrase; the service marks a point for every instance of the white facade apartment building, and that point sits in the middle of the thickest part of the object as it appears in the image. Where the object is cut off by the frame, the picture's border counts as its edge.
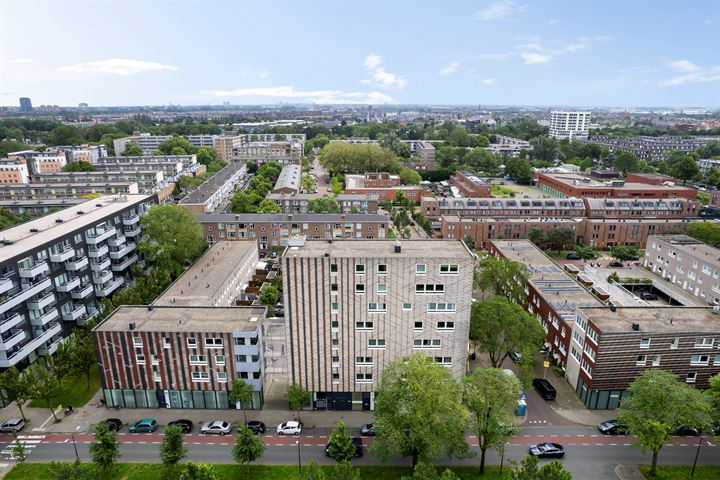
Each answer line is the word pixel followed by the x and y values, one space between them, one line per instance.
pixel 352 309
pixel 569 125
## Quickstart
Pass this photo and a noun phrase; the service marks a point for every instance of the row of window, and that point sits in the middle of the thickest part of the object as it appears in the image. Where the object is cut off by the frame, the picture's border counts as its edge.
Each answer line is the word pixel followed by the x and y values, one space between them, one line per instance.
pixel 210 342
pixel 700 342
pixel 420 269
pixel 381 307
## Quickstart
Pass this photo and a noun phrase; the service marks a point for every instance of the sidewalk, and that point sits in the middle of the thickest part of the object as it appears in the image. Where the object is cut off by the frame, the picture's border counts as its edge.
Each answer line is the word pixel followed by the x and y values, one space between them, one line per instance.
pixel 628 472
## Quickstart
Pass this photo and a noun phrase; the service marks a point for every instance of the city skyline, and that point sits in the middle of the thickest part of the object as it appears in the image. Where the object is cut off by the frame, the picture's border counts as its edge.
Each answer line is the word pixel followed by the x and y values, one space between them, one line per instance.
pixel 497 52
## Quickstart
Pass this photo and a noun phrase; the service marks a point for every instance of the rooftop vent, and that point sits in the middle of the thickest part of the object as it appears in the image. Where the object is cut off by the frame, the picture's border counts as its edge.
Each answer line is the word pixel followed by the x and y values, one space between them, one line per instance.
pixel 34 230
pixel 131 326
pixel 398 248
pixel 98 204
pixel 7 242
pixel 636 327
pixel 79 212
pixel 59 220
pixel 613 307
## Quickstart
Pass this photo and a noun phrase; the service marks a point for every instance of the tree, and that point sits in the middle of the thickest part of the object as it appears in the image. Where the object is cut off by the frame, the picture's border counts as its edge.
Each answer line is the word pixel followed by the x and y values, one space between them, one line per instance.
pixel 561 238
pixel 269 296
pixel 206 155
pixel 172 237
pixel 503 277
pixel 199 471
pixel 713 394
pixel 409 177
pixel 43 386
pixel 499 326
pixel 308 184
pixel 419 411
pixel 481 160
pixel 528 470
pixel 248 448
pixel 172 449
pixel 16 387
pixel 83 356
pixel 625 162
pixel 623 253
pixel 335 185
pixel 686 169
pixel 545 149
pixel 520 170
pixel 245 202
pixel 345 470
pixel 425 471
pixel 491 396
pixel 585 252
pixel 468 239
pixel 18 450
pixel 297 397
pixel 133 150
pixel 340 444
pixel 79 167
pixel 268 206
pixel 658 403
pixel 538 236
pixel 177 144
pixel 341 158
pixel 241 393
pixel 105 450
pixel 323 205
pixel 393 143
pixel 708 232
pixel 312 471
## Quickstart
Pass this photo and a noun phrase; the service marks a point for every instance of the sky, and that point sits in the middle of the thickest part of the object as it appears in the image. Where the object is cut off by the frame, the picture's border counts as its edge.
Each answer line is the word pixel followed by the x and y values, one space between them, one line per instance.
pixel 614 53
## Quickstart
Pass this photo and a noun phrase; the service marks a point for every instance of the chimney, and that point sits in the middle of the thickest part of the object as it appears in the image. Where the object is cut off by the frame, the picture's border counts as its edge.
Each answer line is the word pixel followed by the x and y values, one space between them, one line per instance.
pixel 636 327
pixel 398 248
pixel 131 326
pixel 613 307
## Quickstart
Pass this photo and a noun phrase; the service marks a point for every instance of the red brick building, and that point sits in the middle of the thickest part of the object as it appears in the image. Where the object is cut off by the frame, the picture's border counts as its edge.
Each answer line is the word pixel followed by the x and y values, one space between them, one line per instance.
pixel 470 185
pixel 575 185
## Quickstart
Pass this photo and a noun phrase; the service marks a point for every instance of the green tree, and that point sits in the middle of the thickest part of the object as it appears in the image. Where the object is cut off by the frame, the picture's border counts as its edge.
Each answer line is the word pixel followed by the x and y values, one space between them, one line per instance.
pixel 585 252
pixel 545 149
pixel 172 237
pixel 199 471
pixel 520 170
pixel 268 206
pixel 409 177
pixel 538 236
pixel 65 135
pixel 178 151
pixel 658 403
pixel 269 296
pixel 16 387
pixel 206 155
pixel 425 471
pixel 43 386
pixel 133 150
pixel 481 160
pixel 242 394
pixel 419 411
pixel 341 158
pixel 176 144
pixel 713 394
pixel 625 162
pixel 623 253
pixel 18 450
pixel 308 184
pixel 503 277
pixel 335 185
pixel 345 471
pixel 340 444
pixel 561 238
pixel 297 397
pixel 83 358
pixel 60 365
pixel 172 449
pixel 499 326
pixel 79 167
pixel 529 469
pixel 491 396
pixel 248 448
pixel 323 205
pixel 105 450
pixel 312 471
pixel 245 202
pixel 708 232
pixel 686 169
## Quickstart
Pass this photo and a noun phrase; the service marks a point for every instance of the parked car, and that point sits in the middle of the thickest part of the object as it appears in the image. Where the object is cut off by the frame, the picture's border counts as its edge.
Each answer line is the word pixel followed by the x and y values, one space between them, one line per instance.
pixel 634 258
pixel 685 431
pixel 612 427
pixel 185 425
pixel 615 264
pixel 358 447
pixel 289 428
pixel 573 256
pixel 273 254
pixel 256 426
pixel 547 450
pixel 114 424
pixel 218 427
pixel 147 425
pixel 263 254
pixel 279 312
pixel 648 296
pixel 544 388
pixel 515 356
pixel 13 425
pixel 367 430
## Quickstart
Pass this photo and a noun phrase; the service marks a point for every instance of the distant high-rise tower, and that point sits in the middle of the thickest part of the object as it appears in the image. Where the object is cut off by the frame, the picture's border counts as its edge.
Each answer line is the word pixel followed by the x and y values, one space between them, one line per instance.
pixel 25 104
pixel 569 124
pixel 82 106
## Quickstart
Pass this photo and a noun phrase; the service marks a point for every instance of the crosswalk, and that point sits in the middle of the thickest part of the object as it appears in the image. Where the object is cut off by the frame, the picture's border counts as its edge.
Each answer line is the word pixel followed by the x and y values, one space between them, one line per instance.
pixel 28 441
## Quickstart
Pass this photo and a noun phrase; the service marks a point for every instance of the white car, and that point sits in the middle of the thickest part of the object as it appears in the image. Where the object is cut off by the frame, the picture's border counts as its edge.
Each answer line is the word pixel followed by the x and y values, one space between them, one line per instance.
pixel 218 426
pixel 289 428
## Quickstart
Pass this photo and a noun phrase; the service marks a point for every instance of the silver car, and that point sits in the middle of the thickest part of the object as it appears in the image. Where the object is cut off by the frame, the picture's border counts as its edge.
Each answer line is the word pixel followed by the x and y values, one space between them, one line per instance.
pixel 13 425
pixel 219 427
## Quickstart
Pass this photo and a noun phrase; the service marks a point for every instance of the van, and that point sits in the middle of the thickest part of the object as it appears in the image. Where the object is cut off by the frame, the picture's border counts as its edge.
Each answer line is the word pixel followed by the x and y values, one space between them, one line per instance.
pixel 544 388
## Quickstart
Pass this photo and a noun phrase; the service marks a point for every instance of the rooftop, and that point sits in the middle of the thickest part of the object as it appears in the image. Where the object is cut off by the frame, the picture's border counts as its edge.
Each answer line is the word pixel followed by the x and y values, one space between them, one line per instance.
pixel 292 217
pixel 381 248
pixel 212 185
pixel 689 245
pixel 311 196
pixel 578 180
pixel 289 177
pixel 655 319
pixel 30 235
pixel 207 278
pixel 183 319
pixel 22 186
pixel 628 204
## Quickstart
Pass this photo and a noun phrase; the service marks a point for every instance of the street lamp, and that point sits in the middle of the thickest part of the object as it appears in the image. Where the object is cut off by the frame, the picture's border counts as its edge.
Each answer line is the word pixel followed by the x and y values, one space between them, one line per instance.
pixel 697 454
pixel 297 442
pixel 72 435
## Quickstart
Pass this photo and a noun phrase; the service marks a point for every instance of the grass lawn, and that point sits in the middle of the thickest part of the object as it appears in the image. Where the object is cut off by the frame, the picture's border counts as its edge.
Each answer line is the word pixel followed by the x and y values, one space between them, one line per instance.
pixel 501 191
pixel 153 471
pixel 681 473
pixel 75 391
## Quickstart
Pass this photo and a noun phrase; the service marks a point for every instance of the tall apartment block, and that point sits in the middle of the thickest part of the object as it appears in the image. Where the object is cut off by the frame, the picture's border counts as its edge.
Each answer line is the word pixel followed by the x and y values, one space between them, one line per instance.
pixel 25 105
pixel 569 124
pixel 351 311
pixel 54 270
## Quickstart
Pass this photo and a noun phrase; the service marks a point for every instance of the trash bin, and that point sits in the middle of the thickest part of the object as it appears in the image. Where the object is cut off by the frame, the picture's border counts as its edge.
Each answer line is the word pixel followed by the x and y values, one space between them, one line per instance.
pixel 521 409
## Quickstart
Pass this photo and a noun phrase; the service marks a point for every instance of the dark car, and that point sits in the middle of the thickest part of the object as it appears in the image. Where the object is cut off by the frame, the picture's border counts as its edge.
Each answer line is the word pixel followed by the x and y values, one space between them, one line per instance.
pixel 279 312
pixel 256 426
pixel 544 388
pixel 685 431
pixel 615 264
pixel 547 450
pixel 612 427
pixel 367 430
pixel 263 254
pixel 185 425
pixel 358 447
pixel 573 256
pixel 515 356
pixel 114 424
pixel 648 296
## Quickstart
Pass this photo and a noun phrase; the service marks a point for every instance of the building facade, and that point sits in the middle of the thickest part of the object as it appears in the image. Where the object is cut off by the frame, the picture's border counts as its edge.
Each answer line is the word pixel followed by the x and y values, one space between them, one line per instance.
pixel 218 188
pixel 298 203
pixel 283 152
pixel 13 171
pixel 569 125
pixel 470 185
pixel 288 182
pixel 57 191
pixel 575 185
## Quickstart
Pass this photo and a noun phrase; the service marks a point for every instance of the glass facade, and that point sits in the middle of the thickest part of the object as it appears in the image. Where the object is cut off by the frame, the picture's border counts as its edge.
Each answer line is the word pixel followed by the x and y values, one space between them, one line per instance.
pixel 208 399
pixel 599 399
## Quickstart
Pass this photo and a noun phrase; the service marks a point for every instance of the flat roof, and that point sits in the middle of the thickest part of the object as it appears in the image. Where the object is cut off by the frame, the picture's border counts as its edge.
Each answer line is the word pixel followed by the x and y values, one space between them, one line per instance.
pixel 49 202
pixel 632 203
pixel 498 219
pixel 689 245
pixel 206 279
pixel 21 186
pixel 49 229
pixel 381 248
pixel 655 319
pixel 183 319
pixel 580 181
pixel 291 217
pixel 311 196
pixel 289 177
pixel 212 185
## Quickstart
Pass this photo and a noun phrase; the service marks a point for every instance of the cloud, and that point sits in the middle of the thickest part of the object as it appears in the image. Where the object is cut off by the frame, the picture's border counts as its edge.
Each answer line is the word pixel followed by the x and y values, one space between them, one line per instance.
pixel 553 21
pixel 117 66
pixel 691 73
pixel 488 81
pixel 263 73
pixel 23 60
pixel 378 74
pixel 535 53
pixel 315 96
pixel 535 58
pixel 501 9
pixel 450 69
pixel 494 56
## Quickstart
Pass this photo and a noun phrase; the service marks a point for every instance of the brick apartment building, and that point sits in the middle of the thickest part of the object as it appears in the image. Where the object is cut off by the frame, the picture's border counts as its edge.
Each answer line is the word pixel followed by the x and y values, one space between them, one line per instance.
pixel 215 190
pixel 576 185
pixel 348 203
pixel 383 185
pixel 470 185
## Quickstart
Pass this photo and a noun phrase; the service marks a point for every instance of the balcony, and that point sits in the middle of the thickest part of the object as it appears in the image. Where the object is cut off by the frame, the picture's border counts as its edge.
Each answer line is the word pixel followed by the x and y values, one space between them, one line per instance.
pixel 76 264
pixel 28 291
pixel 134 232
pixel 16 336
pixel 119 267
pixel 131 220
pixel 11 321
pixel 5 285
pixel 94 240
pixel 75 314
pixel 47 317
pixel 99 266
pixel 116 241
pixel 82 292
pixel 41 302
pixel 62 256
pixel 102 277
pixel 35 270
pixel 123 251
pixel 49 348
pixel 43 335
pixel 69 285
pixel 100 252
pixel 108 288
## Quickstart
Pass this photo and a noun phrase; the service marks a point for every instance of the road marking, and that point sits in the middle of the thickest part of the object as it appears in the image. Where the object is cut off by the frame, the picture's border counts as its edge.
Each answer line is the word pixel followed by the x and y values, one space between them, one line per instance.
pixel 4 465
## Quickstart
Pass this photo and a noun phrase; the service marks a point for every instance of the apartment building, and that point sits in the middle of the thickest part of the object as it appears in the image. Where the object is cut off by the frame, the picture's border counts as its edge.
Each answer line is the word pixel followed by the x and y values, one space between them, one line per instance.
pixel 83 153
pixel 14 171
pixel 224 145
pixel 647 208
pixel 350 312
pixel 148 181
pixel 288 182
pixel 611 347
pixel 425 152
pixel 348 203
pixel 706 164
pixel 171 166
pixel 151 143
pixel 383 185
pixel 283 152
pixel 49 161
pixel 470 185
pixel 483 230
pixel 435 207
pixel 508 146
pixel 215 190
pixel 576 185
pixel 610 232
pixel 276 229
pixel 179 356
pixel 646 147
pixel 39 207
pixel 56 191
pixel 54 270
pixel 570 125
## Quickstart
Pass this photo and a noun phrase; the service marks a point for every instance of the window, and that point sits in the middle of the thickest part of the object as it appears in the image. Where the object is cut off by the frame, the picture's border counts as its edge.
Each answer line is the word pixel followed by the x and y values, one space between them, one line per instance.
pixel 154 359
pixel 441 307
pixel 335 361
pixel 444 360
pixel 675 343
pixel 334 287
pixel 334 325
pixel 241 358
pixel 593 335
pixel 376 343
pixel 377 307
pixel 449 269
pixel 418 326
pixel 140 358
pixel 166 342
pixel 644 343
pixel 219 359
pixel 213 343
pixel 192 342
pixel 699 359
pixel 587 368
pixel 691 377
pixel 137 341
pixel 426 343
pixel 335 343
pixel 656 361
pixel 363 361
pixel 446 325
pixel 221 377
pixel 200 376
pixel 429 288
pixel 360 288
pixel 360 269
pixel 575 353
pixel 382 288
pixel 590 352
pixel 198 360
pixel 363 377
pixel 641 360
pixel 334 307
pixel 240 341
pixel 156 377
pixel 717 360
pixel 420 269
pixel 407 306
pixel 336 378
pixel 364 325
pixel 382 269
pixel 704 342
pixel 333 268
